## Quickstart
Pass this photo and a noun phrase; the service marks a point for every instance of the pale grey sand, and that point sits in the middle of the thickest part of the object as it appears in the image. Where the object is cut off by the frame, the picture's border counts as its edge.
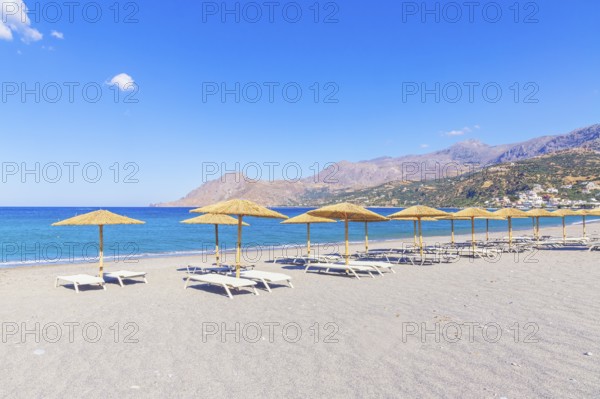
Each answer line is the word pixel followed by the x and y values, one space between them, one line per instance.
pixel 358 339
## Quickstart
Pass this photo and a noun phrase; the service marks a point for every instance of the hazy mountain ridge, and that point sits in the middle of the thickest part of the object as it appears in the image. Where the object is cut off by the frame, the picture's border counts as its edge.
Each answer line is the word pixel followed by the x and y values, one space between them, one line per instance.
pixel 555 170
pixel 345 176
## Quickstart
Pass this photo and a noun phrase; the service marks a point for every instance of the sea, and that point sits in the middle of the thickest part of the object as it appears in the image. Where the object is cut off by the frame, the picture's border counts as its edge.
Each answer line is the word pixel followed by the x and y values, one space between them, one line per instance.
pixel 28 239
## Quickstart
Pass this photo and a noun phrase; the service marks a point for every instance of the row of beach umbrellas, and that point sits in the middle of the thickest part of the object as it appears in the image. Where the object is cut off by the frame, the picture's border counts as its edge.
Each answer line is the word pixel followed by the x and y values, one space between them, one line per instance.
pixel 222 212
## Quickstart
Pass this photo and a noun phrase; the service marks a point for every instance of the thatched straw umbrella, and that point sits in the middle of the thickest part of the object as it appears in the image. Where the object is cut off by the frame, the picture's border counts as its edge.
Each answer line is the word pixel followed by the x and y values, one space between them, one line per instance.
pixel 510 214
pixel 367 229
pixel 487 225
pixel 587 212
pixel 240 208
pixel 536 214
pixel 473 213
pixel 307 219
pixel 98 218
pixel 414 220
pixel 347 212
pixel 563 213
pixel 419 212
pixel 452 218
pixel 215 220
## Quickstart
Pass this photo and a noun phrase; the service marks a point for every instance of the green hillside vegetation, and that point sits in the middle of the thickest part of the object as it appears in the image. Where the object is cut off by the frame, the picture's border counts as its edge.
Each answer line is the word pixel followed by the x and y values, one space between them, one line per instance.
pixel 474 189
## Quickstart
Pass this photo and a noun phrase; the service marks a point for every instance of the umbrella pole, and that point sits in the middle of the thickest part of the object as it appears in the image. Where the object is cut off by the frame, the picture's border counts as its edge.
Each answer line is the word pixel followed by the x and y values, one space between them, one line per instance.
pixel 509 232
pixel 367 237
pixel 487 229
pixel 415 233
pixel 421 238
pixel 473 235
pixel 217 245
pixel 564 231
pixel 238 251
pixel 308 239
pixel 452 224
pixel 537 229
pixel 346 238
pixel 583 226
pixel 101 254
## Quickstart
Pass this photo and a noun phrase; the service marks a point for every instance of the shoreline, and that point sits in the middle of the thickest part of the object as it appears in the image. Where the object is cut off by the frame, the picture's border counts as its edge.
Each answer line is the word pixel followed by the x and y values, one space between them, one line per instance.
pixel 301 247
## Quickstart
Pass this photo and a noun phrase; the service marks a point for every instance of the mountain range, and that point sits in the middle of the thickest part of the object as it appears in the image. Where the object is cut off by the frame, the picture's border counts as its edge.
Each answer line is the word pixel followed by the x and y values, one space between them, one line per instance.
pixel 344 178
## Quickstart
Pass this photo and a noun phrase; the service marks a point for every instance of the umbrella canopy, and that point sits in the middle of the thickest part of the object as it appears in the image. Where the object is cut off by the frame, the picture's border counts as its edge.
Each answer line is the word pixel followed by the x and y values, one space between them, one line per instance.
pixel 473 213
pixel 419 212
pixel 536 214
pixel 240 208
pixel 98 218
pixel 347 212
pixel 307 219
pixel 210 218
pixel 540 213
pixel 510 213
pixel 563 213
pixel 216 220
pixel 594 212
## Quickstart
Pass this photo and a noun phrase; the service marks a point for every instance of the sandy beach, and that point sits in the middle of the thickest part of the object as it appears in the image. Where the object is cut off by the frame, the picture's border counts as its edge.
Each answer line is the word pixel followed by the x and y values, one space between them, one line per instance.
pixel 516 328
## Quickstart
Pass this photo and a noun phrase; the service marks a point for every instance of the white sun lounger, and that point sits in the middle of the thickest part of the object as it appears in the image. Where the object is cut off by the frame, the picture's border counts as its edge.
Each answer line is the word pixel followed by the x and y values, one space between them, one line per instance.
pixel 126 275
pixel 208 269
pixel 377 265
pixel 341 268
pixel 81 279
pixel 267 277
pixel 226 282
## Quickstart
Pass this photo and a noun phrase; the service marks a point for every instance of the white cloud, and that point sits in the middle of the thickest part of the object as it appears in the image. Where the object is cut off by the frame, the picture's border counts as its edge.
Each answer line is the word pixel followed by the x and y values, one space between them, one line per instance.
pixel 5 32
pixel 460 132
pixel 123 81
pixel 424 146
pixel 57 34
pixel 14 19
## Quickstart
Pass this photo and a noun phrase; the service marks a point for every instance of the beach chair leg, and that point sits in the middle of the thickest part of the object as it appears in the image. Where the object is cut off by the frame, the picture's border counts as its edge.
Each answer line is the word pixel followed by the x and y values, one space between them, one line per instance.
pixel 228 292
pixel 355 274
pixel 266 284
pixel 76 287
pixel 120 281
pixel 103 285
pixel 56 283
pixel 392 270
pixel 145 279
pixel 187 280
pixel 255 290
pixel 290 284
pixel 378 271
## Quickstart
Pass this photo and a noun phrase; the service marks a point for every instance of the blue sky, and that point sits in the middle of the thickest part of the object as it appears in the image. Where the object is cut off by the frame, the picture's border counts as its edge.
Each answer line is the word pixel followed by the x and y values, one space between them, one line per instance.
pixel 369 62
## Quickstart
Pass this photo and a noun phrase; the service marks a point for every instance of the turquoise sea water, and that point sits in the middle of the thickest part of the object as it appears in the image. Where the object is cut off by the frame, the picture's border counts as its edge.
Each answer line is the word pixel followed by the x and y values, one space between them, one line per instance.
pixel 27 237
